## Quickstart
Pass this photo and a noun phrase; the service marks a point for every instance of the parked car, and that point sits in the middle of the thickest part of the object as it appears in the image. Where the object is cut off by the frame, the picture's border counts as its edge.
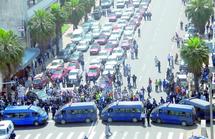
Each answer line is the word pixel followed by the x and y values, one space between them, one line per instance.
pixel 96 62
pixel 57 63
pixel 94 49
pixel 40 81
pixel 72 65
pixel 89 38
pixel 126 44
pixel 102 39
pixel 83 46
pixel 77 35
pixel 87 26
pixel 59 74
pixel 75 77
pixel 96 32
pixel 93 73
pixel 103 55
pixel 97 13
pixel 112 17
pixel 120 3
pixel 105 4
pixel 109 47
pixel 77 56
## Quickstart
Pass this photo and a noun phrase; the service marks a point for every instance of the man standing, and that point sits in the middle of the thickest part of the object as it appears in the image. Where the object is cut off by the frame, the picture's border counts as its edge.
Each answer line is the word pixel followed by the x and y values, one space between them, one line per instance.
pixel 148 117
pixel 159 66
pixel 134 78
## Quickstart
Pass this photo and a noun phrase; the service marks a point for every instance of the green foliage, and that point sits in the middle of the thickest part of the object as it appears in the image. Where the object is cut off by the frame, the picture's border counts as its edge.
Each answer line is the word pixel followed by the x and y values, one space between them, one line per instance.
pixel 42 27
pixel 195 54
pixel 11 50
pixel 199 12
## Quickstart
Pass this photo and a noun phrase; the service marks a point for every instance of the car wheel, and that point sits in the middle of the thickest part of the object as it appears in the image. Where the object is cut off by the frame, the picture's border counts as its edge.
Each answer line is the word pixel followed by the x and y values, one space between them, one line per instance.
pixel 134 120
pixel 63 122
pixel 158 121
pixel 109 120
pixel 36 123
pixel 183 123
pixel 87 120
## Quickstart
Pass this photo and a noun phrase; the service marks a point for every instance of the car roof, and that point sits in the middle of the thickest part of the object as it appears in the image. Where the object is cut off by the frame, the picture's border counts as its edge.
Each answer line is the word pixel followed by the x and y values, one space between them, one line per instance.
pixel 5 123
pixel 126 103
pixel 197 102
pixel 78 104
pixel 176 106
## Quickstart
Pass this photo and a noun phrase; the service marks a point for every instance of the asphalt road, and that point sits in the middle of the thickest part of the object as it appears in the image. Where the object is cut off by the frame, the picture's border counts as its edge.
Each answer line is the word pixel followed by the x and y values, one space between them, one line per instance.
pixel 155 41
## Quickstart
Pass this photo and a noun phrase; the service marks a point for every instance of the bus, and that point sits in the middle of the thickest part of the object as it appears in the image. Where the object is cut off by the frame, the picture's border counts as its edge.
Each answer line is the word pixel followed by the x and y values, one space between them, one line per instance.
pixel 76 112
pixel 174 114
pixel 25 115
pixel 202 107
pixel 123 111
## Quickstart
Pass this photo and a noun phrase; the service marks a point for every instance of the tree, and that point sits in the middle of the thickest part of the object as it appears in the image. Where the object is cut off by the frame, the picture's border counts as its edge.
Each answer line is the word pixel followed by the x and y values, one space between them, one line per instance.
pixel 42 28
pixel 11 52
pixel 87 4
pixel 195 53
pixel 199 12
pixel 60 17
pixel 75 12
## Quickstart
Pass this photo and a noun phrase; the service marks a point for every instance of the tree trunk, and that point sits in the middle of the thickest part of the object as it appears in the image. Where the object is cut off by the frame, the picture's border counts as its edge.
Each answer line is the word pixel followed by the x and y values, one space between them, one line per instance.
pixel 196 81
pixel 58 33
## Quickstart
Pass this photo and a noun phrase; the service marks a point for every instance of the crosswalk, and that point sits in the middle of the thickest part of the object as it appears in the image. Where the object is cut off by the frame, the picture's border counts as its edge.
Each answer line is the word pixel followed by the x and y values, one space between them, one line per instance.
pixel 115 135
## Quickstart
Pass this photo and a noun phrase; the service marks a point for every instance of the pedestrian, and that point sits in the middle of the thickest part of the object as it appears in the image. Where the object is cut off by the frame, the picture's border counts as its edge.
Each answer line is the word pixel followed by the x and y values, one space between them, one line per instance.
pixel 53 109
pixel 142 117
pixel 176 58
pixel 159 66
pixel 148 117
pixel 134 78
pixel 172 62
pixel 108 133
pixel 181 25
pixel 156 85
pixel 150 16
pixel 149 89
pixel 136 52
pixel 47 109
pixel 85 137
pixel 169 58
pixel 162 101
pixel 160 85
pixel 82 64
pixel 129 79
pixel 132 53
pixel 138 32
pixel 156 61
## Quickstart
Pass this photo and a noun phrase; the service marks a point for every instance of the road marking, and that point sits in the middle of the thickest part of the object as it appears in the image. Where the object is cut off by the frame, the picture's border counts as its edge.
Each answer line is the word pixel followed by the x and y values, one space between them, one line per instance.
pixel 70 135
pixel 136 135
pixel 17 136
pixel 102 135
pixel 159 135
pixel 81 135
pixel 59 135
pixel 37 136
pixel 124 135
pixel 92 128
pixel 114 135
pixel 49 135
pixel 28 136
pixel 147 135
pixel 92 135
pixel 181 136
pixel 170 135
pixel 51 121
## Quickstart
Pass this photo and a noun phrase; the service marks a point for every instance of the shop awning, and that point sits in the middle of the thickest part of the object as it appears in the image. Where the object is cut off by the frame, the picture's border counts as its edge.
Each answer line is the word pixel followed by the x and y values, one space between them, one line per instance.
pixel 29 55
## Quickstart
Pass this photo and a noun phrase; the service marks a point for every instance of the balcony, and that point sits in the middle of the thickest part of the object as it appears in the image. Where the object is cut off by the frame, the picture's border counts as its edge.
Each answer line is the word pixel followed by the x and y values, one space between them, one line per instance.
pixel 34 5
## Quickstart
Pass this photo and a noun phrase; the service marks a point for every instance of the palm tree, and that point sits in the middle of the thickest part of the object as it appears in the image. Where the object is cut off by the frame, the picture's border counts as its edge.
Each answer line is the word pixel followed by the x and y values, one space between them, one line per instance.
pixel 75 12
pixel 60 18
pixel 195 54
pixel 42 28
pixel 11 52
pixel 199 12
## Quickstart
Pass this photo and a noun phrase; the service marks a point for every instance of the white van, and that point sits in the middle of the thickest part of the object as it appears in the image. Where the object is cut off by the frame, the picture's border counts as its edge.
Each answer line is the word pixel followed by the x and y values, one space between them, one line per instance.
pixel 77 35
pixel 7 130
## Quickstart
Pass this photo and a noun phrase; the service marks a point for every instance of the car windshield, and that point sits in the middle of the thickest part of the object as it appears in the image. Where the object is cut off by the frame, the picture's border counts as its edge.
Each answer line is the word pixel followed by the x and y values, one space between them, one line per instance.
pixel 37 81
pixel 54 63
pixel 76 35
pixel 58 71
pixel 38 110
pixel 2 132
pixel 72 73
pixel 92 70
pixel 72 64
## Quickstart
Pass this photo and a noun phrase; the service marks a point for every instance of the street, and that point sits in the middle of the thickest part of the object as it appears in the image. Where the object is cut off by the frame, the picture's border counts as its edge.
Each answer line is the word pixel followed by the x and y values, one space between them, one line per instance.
pixel 155 40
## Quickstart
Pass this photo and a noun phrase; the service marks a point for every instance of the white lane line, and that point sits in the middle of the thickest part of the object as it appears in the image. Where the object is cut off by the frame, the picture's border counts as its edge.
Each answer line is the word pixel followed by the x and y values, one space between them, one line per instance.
pixel 102 136
pixel 136 135
pixel 147 135
pixel 59 135
pixel 181 136
pixel 70 135
pixel 49 136
pixel 28 136
pixel 81 135
pixel 159 135
pixel 37 136
pixel 114 135
pixel 91 136
pixel 18 136
pixel 124 135
pixel 92 128
pixel 170 135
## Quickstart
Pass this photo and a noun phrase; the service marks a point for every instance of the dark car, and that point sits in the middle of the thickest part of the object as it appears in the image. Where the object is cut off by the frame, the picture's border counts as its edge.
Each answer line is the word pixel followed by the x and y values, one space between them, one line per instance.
pixel 97 13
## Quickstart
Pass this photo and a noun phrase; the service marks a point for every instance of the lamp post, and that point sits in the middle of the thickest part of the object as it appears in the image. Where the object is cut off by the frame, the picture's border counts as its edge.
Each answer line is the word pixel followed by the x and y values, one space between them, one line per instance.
pixel 212 82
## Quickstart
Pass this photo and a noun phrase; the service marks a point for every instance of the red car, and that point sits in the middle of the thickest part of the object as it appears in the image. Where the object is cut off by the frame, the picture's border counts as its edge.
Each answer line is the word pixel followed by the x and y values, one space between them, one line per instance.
pixel 93 73
pixel 59 74
pixel 109 47
pixel 94 49
pixel 72 65
pixel 102 39
pixel 112 17
pixel 126 44
pixel 40 81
